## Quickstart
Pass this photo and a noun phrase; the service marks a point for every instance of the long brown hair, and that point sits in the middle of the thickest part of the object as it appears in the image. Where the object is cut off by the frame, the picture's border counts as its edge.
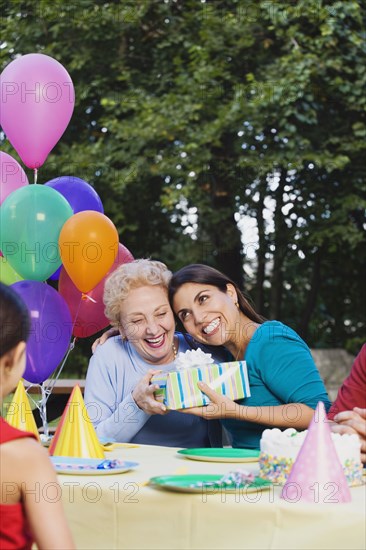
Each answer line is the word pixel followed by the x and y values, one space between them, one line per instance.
pixel 206 275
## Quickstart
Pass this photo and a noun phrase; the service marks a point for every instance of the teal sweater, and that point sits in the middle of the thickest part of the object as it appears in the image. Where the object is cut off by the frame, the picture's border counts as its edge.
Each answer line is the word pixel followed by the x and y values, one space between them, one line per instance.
pixel 281 370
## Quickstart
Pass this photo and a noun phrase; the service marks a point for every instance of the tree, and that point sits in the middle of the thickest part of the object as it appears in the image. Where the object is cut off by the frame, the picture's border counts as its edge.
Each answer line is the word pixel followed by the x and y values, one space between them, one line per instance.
pixel 189 115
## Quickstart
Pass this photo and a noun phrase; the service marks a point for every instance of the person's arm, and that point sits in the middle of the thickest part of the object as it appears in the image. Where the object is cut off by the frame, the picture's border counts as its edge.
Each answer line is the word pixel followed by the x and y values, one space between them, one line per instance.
pixel 352 422
pixel 295 415
pixel 115 419
pixel 352 392
pixel 280 361
pixel 113 331
pixel 42 498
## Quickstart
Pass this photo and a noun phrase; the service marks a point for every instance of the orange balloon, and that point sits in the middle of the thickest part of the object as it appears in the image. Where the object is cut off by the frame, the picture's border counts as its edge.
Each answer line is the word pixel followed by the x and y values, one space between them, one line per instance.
pixel 88 245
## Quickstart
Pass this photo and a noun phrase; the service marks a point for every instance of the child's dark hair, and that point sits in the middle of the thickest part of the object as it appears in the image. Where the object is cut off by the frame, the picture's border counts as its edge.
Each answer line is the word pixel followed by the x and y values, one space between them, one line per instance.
pixel 14 319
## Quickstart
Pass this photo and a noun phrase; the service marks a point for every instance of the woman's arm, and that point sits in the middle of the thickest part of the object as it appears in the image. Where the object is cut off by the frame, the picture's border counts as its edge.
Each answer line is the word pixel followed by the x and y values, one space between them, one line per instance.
pixel 113 331
pixel 112 410
pixel 352 422
pixel 117 403
pixel 42 497
pixel 295 415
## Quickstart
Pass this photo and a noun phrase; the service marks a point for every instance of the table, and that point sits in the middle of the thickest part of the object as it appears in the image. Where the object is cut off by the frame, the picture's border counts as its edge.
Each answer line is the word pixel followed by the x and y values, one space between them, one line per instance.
pixel 121 511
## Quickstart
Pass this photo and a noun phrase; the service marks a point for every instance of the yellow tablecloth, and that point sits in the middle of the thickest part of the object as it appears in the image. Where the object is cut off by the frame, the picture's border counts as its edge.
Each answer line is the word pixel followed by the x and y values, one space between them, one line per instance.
pixel 120 511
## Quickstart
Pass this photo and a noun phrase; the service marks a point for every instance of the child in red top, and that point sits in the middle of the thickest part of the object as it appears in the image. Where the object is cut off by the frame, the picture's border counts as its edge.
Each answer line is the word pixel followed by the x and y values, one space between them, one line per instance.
pixel 30 500
pixel 349 409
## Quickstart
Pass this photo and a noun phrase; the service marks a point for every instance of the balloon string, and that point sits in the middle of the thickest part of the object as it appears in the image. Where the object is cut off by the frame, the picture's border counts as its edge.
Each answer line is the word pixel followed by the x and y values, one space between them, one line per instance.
pixel 86 297
pixel 41 405
pixel 46 392
pixel 35 175
pixel 54 380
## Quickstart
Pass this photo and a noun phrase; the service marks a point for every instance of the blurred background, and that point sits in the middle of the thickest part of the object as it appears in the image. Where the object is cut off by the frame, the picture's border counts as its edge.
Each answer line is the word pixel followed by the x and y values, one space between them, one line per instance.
pixel 230 133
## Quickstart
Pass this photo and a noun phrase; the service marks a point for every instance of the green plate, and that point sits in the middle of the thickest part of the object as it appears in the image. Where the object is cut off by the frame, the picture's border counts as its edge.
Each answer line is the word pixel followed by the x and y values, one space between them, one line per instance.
pixel 212 454
pixel 204 483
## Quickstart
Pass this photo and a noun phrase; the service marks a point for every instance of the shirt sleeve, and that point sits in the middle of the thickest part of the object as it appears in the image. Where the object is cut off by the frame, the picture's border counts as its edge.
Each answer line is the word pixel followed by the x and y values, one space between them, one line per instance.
pixel 352 392
pixel 113 418
pixel 289 370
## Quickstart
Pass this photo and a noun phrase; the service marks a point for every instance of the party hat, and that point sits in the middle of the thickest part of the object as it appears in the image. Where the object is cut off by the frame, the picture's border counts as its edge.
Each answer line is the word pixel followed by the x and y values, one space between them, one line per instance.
pixel 75 435
pixel 317 474
pixel 20 413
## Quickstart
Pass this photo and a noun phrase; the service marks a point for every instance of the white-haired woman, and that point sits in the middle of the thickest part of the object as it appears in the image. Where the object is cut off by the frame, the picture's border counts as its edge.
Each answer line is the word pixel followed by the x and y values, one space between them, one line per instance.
pixel 118 394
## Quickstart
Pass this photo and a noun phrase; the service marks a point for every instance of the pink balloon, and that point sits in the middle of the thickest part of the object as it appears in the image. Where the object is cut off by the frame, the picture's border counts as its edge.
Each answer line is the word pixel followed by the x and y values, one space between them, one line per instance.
pixel 12 176
pixel 88 314
pixel 37 101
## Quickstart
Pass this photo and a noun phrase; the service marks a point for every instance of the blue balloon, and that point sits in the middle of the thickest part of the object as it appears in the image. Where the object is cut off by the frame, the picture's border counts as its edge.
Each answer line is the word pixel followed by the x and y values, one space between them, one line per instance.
pixel 79 194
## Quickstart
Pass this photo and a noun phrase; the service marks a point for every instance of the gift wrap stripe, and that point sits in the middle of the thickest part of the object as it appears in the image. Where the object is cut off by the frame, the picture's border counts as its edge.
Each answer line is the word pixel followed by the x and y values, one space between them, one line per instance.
pixel 230 379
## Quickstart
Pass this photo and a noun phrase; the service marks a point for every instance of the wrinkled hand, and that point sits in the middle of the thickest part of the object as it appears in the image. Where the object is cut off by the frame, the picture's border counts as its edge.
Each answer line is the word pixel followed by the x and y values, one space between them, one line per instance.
pixel 143 395
pixel 107 334
pixel 352 422
pixel 220 406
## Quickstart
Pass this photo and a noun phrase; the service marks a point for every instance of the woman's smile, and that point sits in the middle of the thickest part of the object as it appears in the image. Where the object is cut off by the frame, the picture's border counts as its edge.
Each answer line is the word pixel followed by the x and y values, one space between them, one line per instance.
pixel 212 327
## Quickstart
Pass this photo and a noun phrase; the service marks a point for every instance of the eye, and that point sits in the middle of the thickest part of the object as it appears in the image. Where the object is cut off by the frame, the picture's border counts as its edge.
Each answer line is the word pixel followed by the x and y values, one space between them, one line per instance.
pixel 183 316
pixel 137 321
pixel 202 298
pixel 162 314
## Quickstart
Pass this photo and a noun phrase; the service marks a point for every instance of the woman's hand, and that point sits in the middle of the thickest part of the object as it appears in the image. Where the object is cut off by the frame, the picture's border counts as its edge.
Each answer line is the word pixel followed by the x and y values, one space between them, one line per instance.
pixel 219 407
pixel 295 415
pixel 352 422
pixel 107 334
pixel 143 395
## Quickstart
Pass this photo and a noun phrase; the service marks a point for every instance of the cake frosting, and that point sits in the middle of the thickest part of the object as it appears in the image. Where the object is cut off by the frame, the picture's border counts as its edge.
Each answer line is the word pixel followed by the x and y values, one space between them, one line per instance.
pixel 279 449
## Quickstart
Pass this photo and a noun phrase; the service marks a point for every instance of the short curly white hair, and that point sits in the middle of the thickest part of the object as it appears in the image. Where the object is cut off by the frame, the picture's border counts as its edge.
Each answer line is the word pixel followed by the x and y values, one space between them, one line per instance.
pixel 135 274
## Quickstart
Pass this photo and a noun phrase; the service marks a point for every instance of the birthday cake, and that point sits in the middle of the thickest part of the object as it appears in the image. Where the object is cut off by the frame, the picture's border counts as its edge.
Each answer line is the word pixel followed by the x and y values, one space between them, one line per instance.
pixel 279 449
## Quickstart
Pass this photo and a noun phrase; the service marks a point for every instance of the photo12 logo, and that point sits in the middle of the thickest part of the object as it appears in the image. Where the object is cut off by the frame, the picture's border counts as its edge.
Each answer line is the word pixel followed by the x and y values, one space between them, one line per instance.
pixel 49 92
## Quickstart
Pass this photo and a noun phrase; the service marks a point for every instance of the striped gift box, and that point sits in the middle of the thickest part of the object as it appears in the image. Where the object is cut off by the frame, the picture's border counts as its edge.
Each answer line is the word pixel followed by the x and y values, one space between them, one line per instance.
pixel 178 388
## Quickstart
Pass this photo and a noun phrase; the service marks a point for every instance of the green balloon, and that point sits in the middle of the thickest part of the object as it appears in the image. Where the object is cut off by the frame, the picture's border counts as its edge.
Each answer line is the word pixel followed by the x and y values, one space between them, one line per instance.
pixel 8 275
pixel 31 220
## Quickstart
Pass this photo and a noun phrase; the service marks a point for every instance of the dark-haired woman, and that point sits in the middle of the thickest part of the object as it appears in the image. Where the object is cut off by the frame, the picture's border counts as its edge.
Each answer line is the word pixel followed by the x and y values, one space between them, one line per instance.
pixel 284 381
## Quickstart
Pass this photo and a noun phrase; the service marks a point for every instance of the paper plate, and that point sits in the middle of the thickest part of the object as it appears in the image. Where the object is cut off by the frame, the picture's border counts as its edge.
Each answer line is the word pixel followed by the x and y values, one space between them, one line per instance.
pixel 205 483
pixel 212 454
pixel 87 466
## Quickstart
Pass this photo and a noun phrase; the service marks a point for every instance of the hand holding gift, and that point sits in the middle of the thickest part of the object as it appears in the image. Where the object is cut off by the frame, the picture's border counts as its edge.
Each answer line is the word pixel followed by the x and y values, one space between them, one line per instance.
pixel 178 388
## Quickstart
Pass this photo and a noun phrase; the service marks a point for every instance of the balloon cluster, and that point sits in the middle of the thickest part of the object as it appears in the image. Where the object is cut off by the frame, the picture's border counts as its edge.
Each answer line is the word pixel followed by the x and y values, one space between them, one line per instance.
pixel 53 231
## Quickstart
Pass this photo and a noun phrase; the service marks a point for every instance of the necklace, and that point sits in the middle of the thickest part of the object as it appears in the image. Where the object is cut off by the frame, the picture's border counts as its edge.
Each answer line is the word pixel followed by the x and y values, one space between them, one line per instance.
pixel 174 350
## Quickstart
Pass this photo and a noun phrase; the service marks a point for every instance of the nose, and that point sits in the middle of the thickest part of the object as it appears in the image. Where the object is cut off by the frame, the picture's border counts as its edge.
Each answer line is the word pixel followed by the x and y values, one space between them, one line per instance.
pixel 198 316
pixel 152 327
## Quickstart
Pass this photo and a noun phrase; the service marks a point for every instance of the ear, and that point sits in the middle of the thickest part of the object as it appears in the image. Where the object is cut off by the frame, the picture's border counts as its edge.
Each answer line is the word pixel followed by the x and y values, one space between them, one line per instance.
pixel 121 331
pixel 12 357
pixel 231 291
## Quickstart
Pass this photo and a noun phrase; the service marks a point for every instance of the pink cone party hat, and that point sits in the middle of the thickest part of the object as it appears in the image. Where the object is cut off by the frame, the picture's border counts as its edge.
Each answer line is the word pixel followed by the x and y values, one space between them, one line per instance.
pixel 20 412
pixel 317 474
pixel 75 435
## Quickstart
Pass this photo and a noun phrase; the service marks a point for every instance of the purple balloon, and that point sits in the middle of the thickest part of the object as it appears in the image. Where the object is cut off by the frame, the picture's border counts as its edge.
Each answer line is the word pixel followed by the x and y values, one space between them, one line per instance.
pixel 51 328
pixel 56 275
pixel 79 194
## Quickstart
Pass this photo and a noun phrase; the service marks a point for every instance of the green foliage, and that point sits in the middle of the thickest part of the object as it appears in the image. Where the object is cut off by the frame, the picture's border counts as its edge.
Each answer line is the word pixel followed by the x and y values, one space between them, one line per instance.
pixel 189 112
